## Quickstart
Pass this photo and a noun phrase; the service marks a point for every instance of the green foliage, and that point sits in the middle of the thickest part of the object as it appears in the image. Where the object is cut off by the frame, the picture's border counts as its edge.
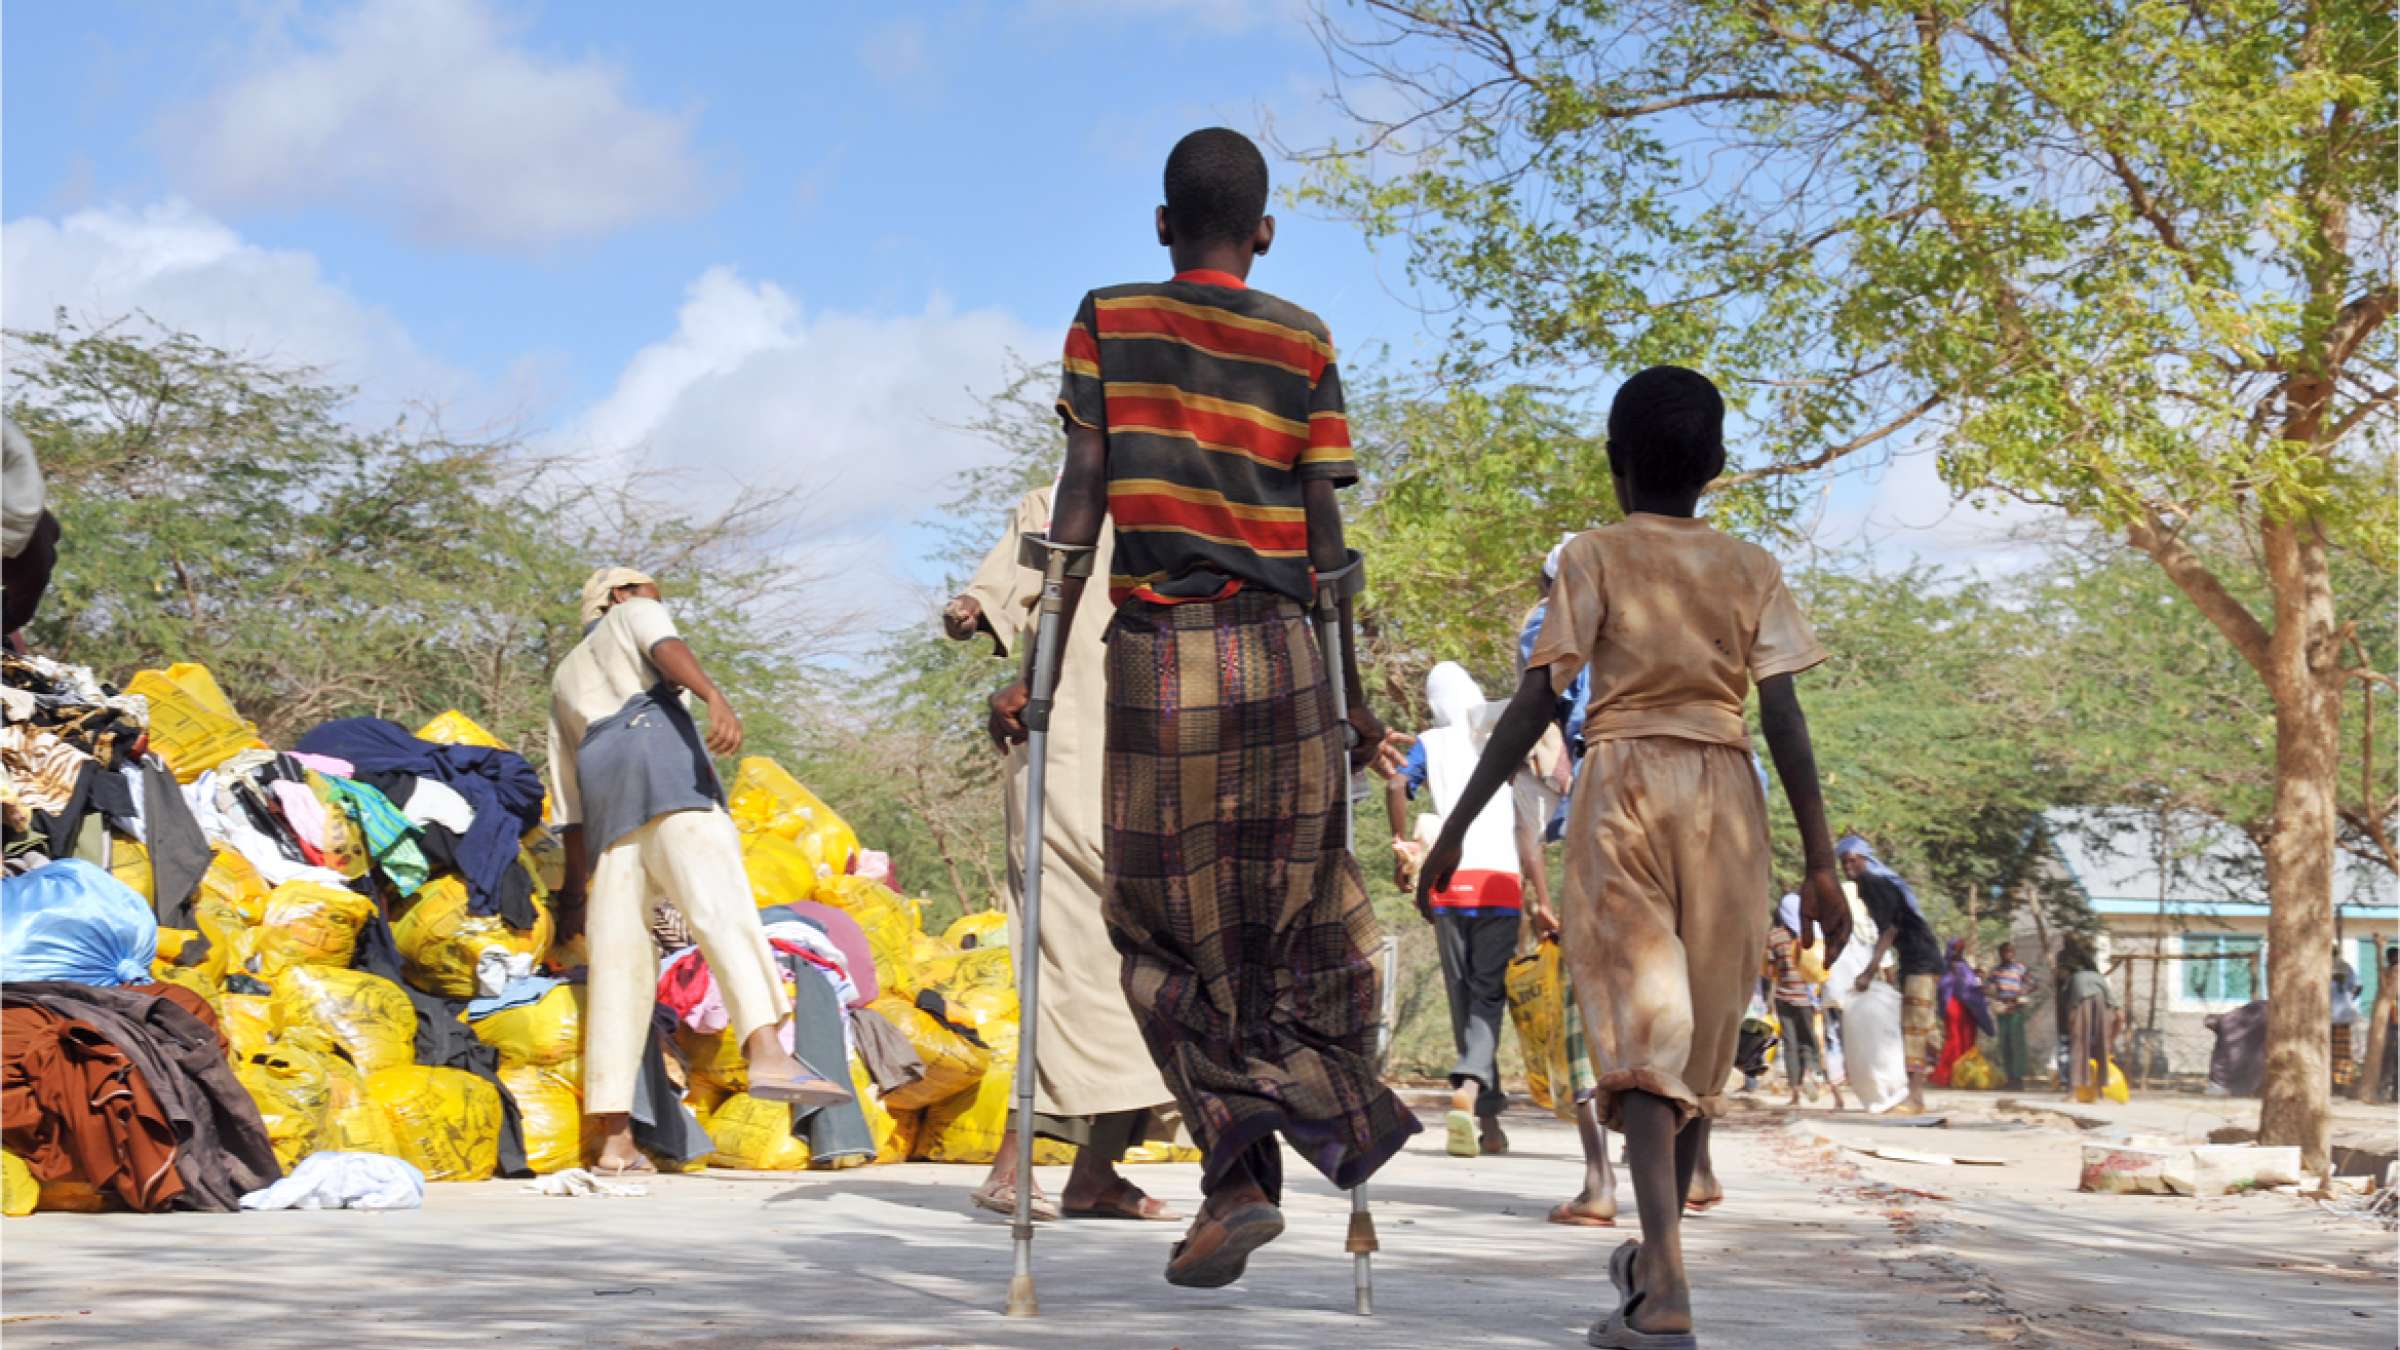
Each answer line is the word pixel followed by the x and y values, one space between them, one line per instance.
pixel 2121 257
pixel 218 508
pixel 1461 496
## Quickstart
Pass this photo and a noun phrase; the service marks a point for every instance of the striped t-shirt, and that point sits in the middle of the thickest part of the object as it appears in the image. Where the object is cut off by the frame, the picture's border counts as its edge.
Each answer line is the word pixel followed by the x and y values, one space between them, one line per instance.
pixel 1218 401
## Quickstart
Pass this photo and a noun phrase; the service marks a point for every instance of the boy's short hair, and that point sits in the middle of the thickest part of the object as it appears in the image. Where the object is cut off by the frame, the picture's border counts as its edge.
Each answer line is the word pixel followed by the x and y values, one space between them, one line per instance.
pixel 1216 186
pixel 1666 430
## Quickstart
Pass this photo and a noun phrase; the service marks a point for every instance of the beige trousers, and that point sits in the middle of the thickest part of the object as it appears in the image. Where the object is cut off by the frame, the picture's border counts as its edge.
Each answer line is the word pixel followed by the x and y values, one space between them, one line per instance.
pixel 695 859
pixel 1665 914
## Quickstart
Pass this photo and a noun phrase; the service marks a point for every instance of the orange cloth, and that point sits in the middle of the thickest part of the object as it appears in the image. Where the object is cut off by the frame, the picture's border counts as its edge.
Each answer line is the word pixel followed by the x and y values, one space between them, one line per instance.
pixel 73 1105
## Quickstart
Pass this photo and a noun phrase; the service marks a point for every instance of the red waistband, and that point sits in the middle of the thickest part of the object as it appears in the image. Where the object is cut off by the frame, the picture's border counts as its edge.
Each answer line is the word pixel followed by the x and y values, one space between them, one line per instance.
pixel 1481 888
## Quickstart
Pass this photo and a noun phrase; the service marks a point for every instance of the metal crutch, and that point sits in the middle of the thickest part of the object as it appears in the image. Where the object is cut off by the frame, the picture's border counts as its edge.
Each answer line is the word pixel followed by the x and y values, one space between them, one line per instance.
pixel 1332 589
pixel 1056 562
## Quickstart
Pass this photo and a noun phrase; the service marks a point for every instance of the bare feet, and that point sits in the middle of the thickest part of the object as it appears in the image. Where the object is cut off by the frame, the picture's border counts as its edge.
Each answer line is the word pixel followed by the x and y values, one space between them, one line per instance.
pixel 619 1155
pixel 1097 1190
pixel 1587 1210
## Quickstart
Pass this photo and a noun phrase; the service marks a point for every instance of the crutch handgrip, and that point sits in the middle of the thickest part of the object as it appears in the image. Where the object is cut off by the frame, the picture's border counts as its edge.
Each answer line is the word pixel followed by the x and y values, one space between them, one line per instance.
pixel 1037 551
pixel 1342 582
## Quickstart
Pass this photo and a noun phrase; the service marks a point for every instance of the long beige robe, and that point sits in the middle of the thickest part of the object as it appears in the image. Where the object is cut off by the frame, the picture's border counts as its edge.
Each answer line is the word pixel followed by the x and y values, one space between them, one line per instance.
pixel 1091 1059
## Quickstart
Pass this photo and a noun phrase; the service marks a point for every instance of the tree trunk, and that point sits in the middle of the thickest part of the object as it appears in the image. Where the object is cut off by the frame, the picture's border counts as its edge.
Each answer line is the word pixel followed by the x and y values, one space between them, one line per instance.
pixel 2304 676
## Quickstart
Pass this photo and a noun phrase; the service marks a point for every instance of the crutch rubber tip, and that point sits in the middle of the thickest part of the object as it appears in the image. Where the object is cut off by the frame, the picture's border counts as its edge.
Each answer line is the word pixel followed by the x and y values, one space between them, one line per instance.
pixel 1020 1297
pixel 1362 1234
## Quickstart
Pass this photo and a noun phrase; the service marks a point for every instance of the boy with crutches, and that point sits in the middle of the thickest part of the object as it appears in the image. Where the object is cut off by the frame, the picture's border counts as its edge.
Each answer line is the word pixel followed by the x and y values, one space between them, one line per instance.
pixel 1205 418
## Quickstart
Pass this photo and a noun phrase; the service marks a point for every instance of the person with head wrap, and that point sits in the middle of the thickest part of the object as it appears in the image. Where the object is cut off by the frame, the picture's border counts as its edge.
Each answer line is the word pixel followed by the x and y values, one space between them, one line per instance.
pixel 643 816
pixel 1475 917
pixel 1900 926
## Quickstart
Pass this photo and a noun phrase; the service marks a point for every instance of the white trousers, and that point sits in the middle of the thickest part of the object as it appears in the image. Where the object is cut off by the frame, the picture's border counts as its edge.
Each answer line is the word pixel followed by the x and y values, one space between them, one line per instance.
pixel 693 858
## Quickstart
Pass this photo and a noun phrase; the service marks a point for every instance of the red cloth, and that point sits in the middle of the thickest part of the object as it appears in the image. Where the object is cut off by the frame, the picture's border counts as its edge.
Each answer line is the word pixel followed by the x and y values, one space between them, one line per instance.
pixel 1958 1038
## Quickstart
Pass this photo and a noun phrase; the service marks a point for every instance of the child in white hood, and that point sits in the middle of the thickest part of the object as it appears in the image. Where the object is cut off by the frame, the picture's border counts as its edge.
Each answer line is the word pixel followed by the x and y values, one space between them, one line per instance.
pixel 1475 918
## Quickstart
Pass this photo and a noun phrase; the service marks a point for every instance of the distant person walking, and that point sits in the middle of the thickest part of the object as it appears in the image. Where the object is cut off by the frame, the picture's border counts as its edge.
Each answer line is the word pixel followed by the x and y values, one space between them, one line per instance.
pixel 2092 1021
pixel 1900 927
pixel 1475 918
pixel 1798 1003
pixel 2004 985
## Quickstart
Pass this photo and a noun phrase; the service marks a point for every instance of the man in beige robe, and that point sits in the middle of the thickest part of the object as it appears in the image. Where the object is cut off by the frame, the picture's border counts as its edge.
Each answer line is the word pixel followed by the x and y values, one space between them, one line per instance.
pixel 1095 1083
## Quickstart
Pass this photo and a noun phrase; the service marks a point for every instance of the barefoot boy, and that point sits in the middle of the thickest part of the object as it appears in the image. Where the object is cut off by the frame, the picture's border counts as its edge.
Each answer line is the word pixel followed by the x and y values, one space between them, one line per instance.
pixel 1667 833
pixel 1205 417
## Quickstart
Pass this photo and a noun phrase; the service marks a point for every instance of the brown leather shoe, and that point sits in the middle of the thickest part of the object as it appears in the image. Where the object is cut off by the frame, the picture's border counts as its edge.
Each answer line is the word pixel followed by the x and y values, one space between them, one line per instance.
pixel 1216 1251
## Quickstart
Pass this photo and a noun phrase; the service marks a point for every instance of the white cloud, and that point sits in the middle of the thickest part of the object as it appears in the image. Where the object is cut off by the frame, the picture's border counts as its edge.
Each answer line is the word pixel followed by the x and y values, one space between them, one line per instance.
pixel 1904 511
pixel 894 53
pixel 189 272
pixel 860 409
pixel 423 110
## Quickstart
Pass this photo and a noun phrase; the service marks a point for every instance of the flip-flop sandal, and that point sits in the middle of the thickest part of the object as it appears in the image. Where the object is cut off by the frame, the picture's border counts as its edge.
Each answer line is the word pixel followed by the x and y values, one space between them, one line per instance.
pixel 1246 1230
pixel 1462 1143
pixel 808 1091
pixel 1146 1208
pixel 1702 1206
pixel 1613 1332
pixel 639 1167
pixel 1616 1331
pixel 1003 1202
pixel 1620 1267
pixel 1561 1214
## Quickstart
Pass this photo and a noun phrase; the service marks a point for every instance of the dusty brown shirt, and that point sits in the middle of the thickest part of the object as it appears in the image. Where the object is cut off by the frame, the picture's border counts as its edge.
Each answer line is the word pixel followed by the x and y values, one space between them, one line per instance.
pixel 1675 620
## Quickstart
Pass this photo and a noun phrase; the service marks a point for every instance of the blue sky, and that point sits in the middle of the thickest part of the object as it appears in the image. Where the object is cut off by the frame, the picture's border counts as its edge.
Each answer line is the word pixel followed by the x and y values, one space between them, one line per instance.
pixel 740 243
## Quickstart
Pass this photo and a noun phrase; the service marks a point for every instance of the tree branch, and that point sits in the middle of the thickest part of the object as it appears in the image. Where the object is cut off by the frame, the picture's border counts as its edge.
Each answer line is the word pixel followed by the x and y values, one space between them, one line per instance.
pixel 2202 587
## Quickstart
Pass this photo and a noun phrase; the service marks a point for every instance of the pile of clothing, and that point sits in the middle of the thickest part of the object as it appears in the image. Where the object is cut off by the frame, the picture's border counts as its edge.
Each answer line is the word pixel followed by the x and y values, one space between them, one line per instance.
pixel 347 947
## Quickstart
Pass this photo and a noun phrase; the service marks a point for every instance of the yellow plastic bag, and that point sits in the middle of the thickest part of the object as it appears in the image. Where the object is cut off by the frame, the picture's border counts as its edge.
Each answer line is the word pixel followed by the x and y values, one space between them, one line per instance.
pixel 889 922
pixel 309 923
pixel 354 1121
pixel 1537 1004
pixel 765 798
pixel 129 862
pixel 967 1128
pixel 19 1192
pixel 780 871
pixel 1973 1073
pixel 440 942
pixel 714 1060
pixel 249 1022
pixel 953 1064
pixel 367 1015
pixel 982 988
pixel 205 976
pixel 894 1131
pixel 448 1120
pixel 988 928
pixel 549 1100
pixel 232 900
pixel 2118 1090
pixel 932 961
pixel 293 1090
pixel 548 1030
pixel 755 1135
pixel 456 728
pixel 193 726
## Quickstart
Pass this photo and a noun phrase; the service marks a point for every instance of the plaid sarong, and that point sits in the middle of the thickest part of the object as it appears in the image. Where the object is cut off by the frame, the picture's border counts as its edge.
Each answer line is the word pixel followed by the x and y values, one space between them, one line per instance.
pixel 1243 924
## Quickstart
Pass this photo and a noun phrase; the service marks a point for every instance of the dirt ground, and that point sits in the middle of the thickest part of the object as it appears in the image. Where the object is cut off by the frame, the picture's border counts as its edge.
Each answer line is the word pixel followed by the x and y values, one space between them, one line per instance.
pixel 1817 1246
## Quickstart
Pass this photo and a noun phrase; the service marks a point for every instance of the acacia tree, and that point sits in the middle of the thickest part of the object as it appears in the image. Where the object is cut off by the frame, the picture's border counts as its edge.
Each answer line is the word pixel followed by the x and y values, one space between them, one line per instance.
pixel 2129 260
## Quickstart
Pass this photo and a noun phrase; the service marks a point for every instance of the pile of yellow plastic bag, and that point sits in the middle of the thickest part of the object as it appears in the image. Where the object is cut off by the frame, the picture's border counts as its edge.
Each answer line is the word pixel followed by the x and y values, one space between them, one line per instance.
pixel 440 941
